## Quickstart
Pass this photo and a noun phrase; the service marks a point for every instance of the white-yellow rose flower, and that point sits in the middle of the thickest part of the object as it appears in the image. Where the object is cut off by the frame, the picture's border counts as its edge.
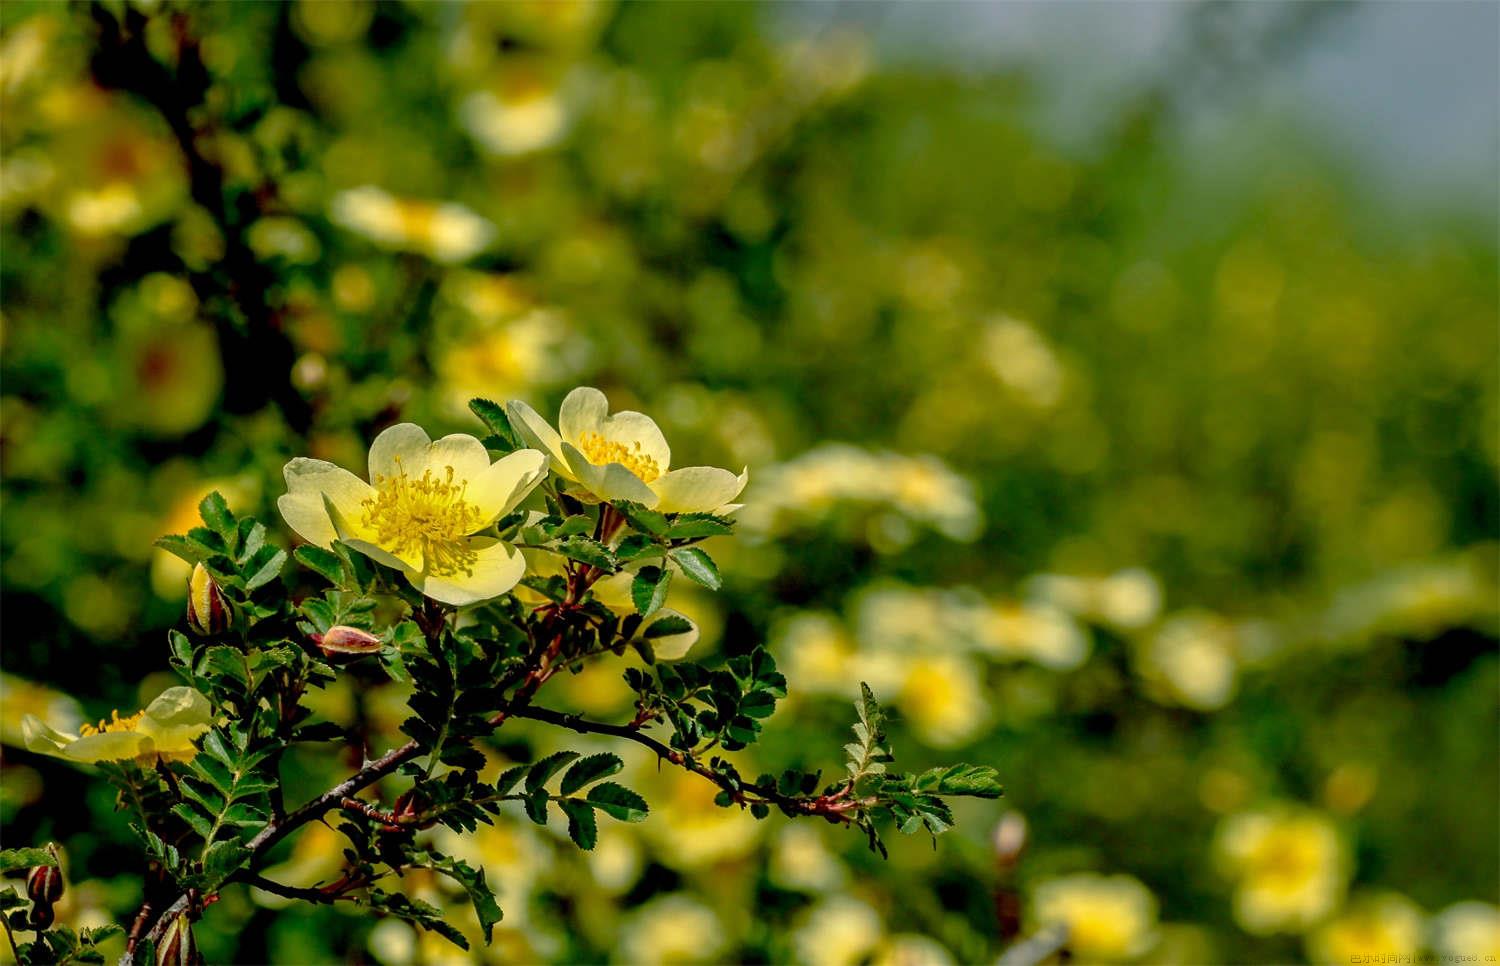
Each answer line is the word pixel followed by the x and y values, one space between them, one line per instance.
pixel 166 728
pixel 422 512
pixel 622 456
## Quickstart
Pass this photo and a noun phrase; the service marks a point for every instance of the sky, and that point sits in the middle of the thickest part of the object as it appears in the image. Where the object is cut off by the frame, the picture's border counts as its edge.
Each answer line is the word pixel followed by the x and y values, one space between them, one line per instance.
pixel 1409 90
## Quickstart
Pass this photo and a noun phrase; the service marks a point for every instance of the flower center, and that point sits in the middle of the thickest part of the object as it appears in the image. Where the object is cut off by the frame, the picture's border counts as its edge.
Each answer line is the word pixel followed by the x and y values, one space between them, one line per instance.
pixel 113 723
pixel 601 451
pixel 429 514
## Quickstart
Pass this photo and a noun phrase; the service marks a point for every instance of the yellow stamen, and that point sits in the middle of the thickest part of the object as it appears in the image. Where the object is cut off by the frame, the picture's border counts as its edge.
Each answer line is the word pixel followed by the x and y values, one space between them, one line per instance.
pixel 115 723
pixel 428 515
pixel 600 451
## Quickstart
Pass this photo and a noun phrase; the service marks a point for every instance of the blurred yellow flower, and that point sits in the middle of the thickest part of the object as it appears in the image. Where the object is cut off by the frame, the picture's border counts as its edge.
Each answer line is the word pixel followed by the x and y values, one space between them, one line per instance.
pixel 671 929
pixel 1128 599
pixel 1289 864
pixel 1192 661
pixel 838 931
pixel 816 652
pixel 909 949
pixel 1039 632
pixel 623 456
pixel 21 699
pixel 1381 925
pixel 421 516
pixel 1109 918
pixel 941 696
pixel 169 573
pixel 443 231
pixel 166 728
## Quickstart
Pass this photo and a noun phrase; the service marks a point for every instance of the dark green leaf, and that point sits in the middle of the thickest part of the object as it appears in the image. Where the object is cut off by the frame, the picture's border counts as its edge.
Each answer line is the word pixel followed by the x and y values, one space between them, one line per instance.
pixel 546 768
pixel 618 802
pixel 27 858
pixel 215 513
pixel 493 416
pixel 588 770
pixel 324 562
pixel 583 828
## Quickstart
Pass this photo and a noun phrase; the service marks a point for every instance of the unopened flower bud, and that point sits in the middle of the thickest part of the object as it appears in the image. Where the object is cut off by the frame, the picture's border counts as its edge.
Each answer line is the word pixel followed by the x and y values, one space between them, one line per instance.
pixel 344 641
pixel 177 947
pixel 45 884
pixel 41 916
pixel 207 611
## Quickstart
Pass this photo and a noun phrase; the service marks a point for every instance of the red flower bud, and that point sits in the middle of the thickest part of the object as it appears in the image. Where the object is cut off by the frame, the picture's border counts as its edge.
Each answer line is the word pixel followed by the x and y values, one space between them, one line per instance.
pixel 207 611
pixel 41 916
pixel 45 884
pixel 344 641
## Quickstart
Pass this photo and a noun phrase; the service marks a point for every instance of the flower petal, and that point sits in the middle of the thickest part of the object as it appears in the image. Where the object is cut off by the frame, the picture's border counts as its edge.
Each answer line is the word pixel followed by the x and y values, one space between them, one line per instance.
pixel 583 410
pixel 403 445
pixel 108 746
pixel 497 568
pixel 312 485
pixel 180 705
pixel 464 453
pixel 42 738
pixel 673 646
pixel 497 490
pixel 610 482
pixel 539 433
pixel 637 429
pixel 697 489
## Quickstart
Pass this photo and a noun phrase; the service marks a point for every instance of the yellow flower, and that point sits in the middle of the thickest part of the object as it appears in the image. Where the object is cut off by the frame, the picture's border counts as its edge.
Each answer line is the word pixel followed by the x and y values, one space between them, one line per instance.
pixel 623 457
pixel 1108 917
pixel 1290 865
pixel 166 728
pixel 671 929
pixel 421 516
pixel 1383 925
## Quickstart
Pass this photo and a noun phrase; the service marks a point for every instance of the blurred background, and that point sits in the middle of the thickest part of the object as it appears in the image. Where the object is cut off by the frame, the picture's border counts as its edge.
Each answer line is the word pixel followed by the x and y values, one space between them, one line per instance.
pixel 1118 384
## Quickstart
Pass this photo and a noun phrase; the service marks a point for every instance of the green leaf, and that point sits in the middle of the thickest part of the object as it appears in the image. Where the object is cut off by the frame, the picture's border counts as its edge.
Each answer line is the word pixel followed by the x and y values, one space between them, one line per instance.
pixel 590 769
pixel 486 909
pixel 649 589
pixel 267 570
pixel 324 562
pixel 536 806
pixel 546 768
pixel 667 626
pixel 583 828
pixel 27 858
pixel 492 414
pixel 199 823
pixel 215 513
pixel 644 520
pixel 692 526
pixel 618 802
pixel 223 859
pixel 589 551
pixel 185 549
pixel 11 899
pixel 698 566
pixel 974 781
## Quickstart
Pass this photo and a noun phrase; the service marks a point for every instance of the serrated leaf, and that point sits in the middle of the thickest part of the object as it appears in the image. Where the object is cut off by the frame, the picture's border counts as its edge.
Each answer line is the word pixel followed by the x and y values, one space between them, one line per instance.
pixel 223 859
pixel 589 551
pixel 199 823
pixel 692 526
pixel 588 770
pixel 644 520
pixel 184 549
pixel 698 566
pixel 583 828
pixel 25 858
pixel 649 589
pixel 974 781
pixel 265 571
pixel 326 563
pixel 215 513
pixel 543 770
pixel 536 806
pixel 493 416
pixel 618 802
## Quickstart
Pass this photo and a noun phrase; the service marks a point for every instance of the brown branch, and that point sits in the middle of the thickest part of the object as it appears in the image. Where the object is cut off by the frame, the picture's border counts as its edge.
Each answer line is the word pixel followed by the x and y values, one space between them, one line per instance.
pixel 836 807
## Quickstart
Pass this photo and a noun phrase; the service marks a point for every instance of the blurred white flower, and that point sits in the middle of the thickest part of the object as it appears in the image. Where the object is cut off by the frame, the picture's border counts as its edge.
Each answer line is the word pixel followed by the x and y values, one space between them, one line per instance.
pixel 443 231
pixel 671 929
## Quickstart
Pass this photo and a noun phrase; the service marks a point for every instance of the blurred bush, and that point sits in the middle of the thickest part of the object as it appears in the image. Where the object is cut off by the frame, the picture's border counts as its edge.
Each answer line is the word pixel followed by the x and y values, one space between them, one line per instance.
pixel 1170 492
